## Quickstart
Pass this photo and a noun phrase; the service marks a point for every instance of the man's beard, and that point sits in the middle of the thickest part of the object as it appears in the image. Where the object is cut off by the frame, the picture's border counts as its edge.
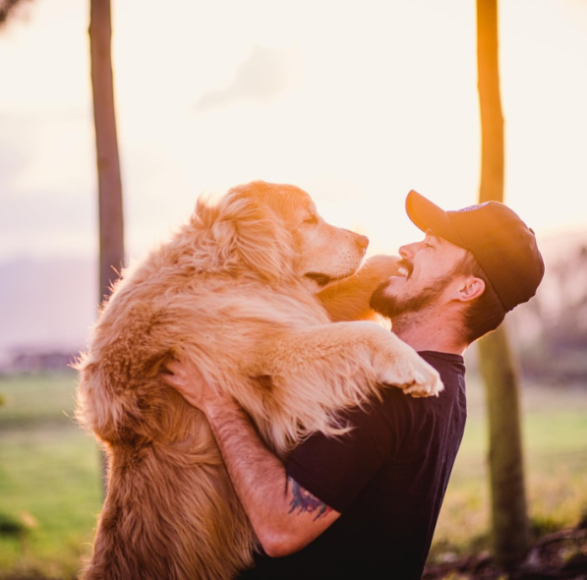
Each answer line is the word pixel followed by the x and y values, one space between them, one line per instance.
pixel 395 307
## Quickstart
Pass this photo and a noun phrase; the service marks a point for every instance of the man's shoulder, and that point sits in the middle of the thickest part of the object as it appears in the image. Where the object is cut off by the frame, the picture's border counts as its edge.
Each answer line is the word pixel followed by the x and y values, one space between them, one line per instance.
pixel 402 412
pixel 451 368
pixel 443 359
pixel 387 419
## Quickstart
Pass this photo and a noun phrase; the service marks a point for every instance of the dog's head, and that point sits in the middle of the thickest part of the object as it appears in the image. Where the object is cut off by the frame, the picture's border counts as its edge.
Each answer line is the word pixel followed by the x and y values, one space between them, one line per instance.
pixel 276 231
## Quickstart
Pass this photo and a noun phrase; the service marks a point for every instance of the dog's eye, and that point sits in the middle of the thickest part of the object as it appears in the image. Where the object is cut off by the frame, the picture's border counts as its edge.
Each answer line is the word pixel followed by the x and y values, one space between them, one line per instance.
pixel 311 220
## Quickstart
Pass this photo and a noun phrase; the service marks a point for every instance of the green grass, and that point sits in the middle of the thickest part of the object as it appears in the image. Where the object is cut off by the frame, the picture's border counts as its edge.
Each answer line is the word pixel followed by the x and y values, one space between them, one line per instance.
pixel 38 399
pixel 555 447
pixel 50 488
pixel 49 480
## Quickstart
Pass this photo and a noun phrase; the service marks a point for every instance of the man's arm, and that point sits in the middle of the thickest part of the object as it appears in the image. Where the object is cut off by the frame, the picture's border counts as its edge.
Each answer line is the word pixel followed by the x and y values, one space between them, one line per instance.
pixel 285 516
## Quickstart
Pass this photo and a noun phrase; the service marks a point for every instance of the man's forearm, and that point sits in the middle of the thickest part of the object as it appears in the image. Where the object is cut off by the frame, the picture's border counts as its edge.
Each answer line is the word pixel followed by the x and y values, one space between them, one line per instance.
pixel 258 476
pixel 283 514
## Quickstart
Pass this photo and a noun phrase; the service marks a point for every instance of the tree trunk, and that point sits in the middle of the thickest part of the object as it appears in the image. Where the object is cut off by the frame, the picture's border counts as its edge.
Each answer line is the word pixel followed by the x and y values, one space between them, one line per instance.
pixel 109 181
pixel 108 164
pixel 508 499
pixel 506 468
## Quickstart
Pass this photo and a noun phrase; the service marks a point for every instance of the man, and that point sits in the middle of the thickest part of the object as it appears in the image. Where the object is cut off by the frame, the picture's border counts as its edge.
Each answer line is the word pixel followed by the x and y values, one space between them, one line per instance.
pixel 365 504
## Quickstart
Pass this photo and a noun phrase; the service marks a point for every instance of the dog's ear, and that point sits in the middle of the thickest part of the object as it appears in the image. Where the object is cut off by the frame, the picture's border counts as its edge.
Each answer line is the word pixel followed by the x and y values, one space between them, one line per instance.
pixel 262 241
pixel 249 235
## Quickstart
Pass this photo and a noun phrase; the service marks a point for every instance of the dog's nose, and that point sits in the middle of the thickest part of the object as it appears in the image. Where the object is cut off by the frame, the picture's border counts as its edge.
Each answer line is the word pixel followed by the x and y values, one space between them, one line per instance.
pixel 362 242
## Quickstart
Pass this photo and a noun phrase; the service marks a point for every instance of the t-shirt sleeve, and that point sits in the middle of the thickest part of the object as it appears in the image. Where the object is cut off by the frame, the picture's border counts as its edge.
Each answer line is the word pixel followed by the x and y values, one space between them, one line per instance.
pixel 336 469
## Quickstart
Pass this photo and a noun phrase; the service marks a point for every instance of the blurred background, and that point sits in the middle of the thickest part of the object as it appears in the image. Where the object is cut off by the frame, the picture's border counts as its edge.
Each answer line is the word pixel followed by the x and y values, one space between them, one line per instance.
pixel 355 102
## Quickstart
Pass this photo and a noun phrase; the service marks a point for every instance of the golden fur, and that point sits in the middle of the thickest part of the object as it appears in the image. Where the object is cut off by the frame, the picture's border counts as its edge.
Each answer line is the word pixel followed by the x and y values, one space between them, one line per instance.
pixel 234 292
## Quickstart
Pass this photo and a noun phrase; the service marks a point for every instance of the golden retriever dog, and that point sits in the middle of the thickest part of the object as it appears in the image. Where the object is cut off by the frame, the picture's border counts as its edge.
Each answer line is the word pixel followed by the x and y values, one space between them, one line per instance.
pixel 233 291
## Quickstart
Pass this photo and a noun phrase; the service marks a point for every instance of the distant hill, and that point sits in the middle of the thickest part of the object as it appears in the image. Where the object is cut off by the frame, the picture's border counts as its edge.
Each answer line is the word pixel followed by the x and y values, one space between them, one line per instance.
pixel 46 303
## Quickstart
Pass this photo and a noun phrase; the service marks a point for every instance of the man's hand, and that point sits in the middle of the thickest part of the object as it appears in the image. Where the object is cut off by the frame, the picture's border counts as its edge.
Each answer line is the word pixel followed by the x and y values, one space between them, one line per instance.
pixel 188 380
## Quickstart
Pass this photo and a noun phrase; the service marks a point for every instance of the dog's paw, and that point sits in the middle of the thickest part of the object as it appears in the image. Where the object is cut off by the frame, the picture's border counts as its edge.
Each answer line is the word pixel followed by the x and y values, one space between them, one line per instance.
pixel 425 385
pixel 414 376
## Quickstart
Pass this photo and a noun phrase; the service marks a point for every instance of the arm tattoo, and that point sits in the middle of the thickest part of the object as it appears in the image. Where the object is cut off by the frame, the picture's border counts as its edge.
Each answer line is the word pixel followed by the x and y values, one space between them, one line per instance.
pixel 304 501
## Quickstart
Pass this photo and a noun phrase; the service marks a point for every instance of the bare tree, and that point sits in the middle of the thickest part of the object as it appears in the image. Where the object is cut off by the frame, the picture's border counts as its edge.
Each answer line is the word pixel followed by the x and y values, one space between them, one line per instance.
pixel 108 162
pixel 6 8
pixel 506 466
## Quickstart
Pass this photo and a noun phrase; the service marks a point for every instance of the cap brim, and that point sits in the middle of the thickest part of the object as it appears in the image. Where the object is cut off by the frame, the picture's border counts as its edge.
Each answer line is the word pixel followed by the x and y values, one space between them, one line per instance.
pixel 428 216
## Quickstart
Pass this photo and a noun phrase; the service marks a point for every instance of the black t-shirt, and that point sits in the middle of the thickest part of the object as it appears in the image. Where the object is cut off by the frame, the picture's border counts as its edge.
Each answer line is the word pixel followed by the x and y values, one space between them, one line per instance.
pixel 387 477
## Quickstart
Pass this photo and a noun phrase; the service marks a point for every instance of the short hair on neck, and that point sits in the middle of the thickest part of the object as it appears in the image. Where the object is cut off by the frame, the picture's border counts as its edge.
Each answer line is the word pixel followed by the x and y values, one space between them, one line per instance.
pixel 484 313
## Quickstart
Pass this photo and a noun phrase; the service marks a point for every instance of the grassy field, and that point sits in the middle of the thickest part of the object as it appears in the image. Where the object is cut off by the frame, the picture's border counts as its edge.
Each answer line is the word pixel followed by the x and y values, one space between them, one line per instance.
pixel 50 492
pixel 49 485
pixel 555 446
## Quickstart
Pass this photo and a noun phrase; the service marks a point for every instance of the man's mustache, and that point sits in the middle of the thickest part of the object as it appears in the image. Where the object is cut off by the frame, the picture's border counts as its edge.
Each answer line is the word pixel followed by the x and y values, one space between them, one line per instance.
pixel 409 266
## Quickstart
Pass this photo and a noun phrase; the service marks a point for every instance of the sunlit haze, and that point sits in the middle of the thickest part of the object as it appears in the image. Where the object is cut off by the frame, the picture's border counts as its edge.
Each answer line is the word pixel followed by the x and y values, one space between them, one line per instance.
pixel 356 102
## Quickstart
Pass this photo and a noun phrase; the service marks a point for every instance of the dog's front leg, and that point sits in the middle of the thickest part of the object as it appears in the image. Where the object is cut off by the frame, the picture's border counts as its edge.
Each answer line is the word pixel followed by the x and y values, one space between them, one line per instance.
pixel 312 373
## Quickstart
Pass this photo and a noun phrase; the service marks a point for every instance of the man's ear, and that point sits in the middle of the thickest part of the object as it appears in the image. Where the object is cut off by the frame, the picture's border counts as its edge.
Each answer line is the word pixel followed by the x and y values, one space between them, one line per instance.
pixel 470 288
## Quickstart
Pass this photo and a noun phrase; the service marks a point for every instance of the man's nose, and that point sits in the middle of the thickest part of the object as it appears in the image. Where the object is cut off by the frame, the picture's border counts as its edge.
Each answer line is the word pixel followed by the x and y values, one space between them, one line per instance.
pixel 407 251
pixel 361 241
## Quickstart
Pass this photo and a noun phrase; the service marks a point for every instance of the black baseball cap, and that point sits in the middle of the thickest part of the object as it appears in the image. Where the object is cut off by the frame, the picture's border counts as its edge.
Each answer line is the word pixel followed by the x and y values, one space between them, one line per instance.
pixel 503 245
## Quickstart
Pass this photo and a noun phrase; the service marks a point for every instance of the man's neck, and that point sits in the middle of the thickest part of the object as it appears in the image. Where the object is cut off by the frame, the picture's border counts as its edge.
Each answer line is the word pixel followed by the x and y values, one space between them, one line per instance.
pixel 428 330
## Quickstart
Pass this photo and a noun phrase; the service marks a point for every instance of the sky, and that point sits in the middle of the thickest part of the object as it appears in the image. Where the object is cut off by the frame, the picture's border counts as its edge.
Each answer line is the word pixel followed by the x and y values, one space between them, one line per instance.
pixel 357 102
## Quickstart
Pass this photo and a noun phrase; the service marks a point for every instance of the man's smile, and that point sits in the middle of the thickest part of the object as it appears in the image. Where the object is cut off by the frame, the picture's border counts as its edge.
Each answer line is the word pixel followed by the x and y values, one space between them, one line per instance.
pixel 405 270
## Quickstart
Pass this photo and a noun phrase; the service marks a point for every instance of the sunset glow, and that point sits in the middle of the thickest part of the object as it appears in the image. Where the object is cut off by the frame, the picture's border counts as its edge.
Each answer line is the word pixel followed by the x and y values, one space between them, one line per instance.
pixel 355 102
